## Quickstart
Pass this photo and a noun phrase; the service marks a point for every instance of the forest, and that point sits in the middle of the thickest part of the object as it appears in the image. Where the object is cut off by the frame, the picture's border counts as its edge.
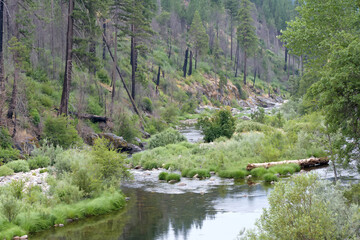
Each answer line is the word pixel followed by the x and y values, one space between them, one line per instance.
pixel 94 92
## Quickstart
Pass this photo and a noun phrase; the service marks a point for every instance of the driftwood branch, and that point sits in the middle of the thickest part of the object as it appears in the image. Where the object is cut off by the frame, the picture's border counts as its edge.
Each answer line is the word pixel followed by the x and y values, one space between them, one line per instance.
pixel 304 163
pixel 92 118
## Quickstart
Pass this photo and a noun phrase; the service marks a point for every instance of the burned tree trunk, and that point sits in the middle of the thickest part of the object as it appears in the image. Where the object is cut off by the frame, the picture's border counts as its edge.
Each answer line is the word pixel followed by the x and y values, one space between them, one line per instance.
pixel 158 81
pixel 185 62
pixel 190 64
pixel 68 64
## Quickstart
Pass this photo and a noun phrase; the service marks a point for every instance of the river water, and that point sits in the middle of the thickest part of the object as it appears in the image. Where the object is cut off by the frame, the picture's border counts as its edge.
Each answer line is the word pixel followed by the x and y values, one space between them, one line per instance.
pixel 190 210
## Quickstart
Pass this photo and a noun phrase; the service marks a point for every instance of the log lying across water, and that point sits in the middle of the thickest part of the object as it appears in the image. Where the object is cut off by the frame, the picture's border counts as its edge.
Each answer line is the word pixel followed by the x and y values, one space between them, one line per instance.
pixel 304 163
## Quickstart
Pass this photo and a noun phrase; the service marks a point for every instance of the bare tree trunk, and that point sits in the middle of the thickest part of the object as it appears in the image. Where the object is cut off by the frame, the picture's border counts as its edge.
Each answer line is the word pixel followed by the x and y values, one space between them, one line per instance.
pixel 185 62
pixel 245 61
pixel 2 82
pixel 104 36
pixel 52 39
pixel 64 105
pixel 113 73
pixel 331 153
pixel 196 58
pixel 12 106
pixel 190 64
pixel 124 84
pixel 286 56
pixel 133 63
pixel 231 39
pixel 238 58
pixel 170 44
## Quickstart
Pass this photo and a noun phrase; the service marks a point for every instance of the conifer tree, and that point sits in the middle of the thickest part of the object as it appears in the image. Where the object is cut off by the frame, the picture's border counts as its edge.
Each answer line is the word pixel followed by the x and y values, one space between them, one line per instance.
pixel 198 37
pixel 135 16
pixel 232 7
pixel 246 32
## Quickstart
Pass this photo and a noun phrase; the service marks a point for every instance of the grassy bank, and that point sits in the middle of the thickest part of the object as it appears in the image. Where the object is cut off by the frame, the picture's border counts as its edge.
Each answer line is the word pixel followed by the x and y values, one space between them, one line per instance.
pixel 38 219
pixel 82 182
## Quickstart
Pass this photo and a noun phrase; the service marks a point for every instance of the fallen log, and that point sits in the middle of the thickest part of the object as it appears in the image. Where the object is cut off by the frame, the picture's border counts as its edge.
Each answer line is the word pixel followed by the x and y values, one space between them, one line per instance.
pixel 92 118
pixel 304 163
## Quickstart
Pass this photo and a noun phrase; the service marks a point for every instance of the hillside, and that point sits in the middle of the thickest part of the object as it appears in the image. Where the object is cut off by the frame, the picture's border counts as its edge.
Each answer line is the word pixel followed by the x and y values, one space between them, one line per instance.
pixel 34 54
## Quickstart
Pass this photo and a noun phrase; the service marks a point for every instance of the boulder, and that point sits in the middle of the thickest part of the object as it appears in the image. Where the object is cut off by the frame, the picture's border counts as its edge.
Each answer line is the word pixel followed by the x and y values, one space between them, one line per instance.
pixel 27 146
pixel 265 102
pixel 115 141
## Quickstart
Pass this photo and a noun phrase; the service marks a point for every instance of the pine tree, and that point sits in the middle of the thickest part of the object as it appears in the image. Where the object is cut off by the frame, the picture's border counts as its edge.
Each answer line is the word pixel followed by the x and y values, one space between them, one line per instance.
pixel 198 37
pixel 135 16
pixel 246 32
pixel 232 7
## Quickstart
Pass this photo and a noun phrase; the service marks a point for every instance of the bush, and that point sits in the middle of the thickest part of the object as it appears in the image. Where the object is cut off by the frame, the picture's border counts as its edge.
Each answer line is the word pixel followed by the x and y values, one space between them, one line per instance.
pixel 170 136
pixel 5 138
pixel 127 127
pixel 293 205
pixel 60 131
pixel 8 154
pixel 67 193
pixel 103 76
pixel 147 105
pixel 39 162
pixel 237 174
pixel 48 150
pixel 222 123
pixel 173 177
pixel 269 177
pixel 285 169
pixel 163 175
pixel 6 171
pixel 170 113
pixel 10 207
pixel 258 115
pixel 18 166
pixel 249 126
pixel 34 114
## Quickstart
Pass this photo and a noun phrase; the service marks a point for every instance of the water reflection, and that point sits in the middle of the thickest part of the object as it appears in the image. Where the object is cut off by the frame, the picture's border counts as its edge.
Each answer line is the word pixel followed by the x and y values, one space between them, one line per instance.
pixel 220 213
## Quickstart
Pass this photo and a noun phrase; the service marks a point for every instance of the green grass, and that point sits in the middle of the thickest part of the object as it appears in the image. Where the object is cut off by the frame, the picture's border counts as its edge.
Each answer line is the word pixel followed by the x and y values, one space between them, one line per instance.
pixel 284 169
pixel 237 174
pixel 173 177
pixel 163 175
pixel 9 230
pixel 258 172
pixel 30 221
pixel 269 177
pixel 201 173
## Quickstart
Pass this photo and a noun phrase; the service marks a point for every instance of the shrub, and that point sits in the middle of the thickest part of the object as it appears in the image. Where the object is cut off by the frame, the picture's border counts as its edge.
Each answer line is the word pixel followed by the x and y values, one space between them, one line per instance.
pixel 10 207
pixel 258 172
pixel 103 76
pixel 39 161
pixel 60 131
pixel 18 166
pixel 222 123
pixel 6 171
pixel 147 105
pixel 34 114
pixel 352 194
pixel 170 113
pixel 45 100
pixel 170 136
pixel 5 138
pixel 127 126
pixel 48 150
pixel 285 169
pixel 93 106
pixel 250 126
pixel 293 205
pixel 269 177
pixel 173 177
pixel 258 115
pixel 8 154
pixel 163 175
pixel 16 188
pixel 67 193
pixel 237 174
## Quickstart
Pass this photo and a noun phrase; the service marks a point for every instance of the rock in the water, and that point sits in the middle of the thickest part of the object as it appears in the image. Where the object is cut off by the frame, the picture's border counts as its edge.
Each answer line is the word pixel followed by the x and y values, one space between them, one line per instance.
pixel 173 181
pixel 246 118
pixel 24 237
pixel 182 184
pixel 61 225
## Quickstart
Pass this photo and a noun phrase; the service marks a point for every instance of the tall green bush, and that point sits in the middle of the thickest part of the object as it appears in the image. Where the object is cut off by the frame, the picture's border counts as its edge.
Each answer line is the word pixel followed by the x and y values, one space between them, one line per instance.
pixel 222 123
pixel 61 131
pixel 170 136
